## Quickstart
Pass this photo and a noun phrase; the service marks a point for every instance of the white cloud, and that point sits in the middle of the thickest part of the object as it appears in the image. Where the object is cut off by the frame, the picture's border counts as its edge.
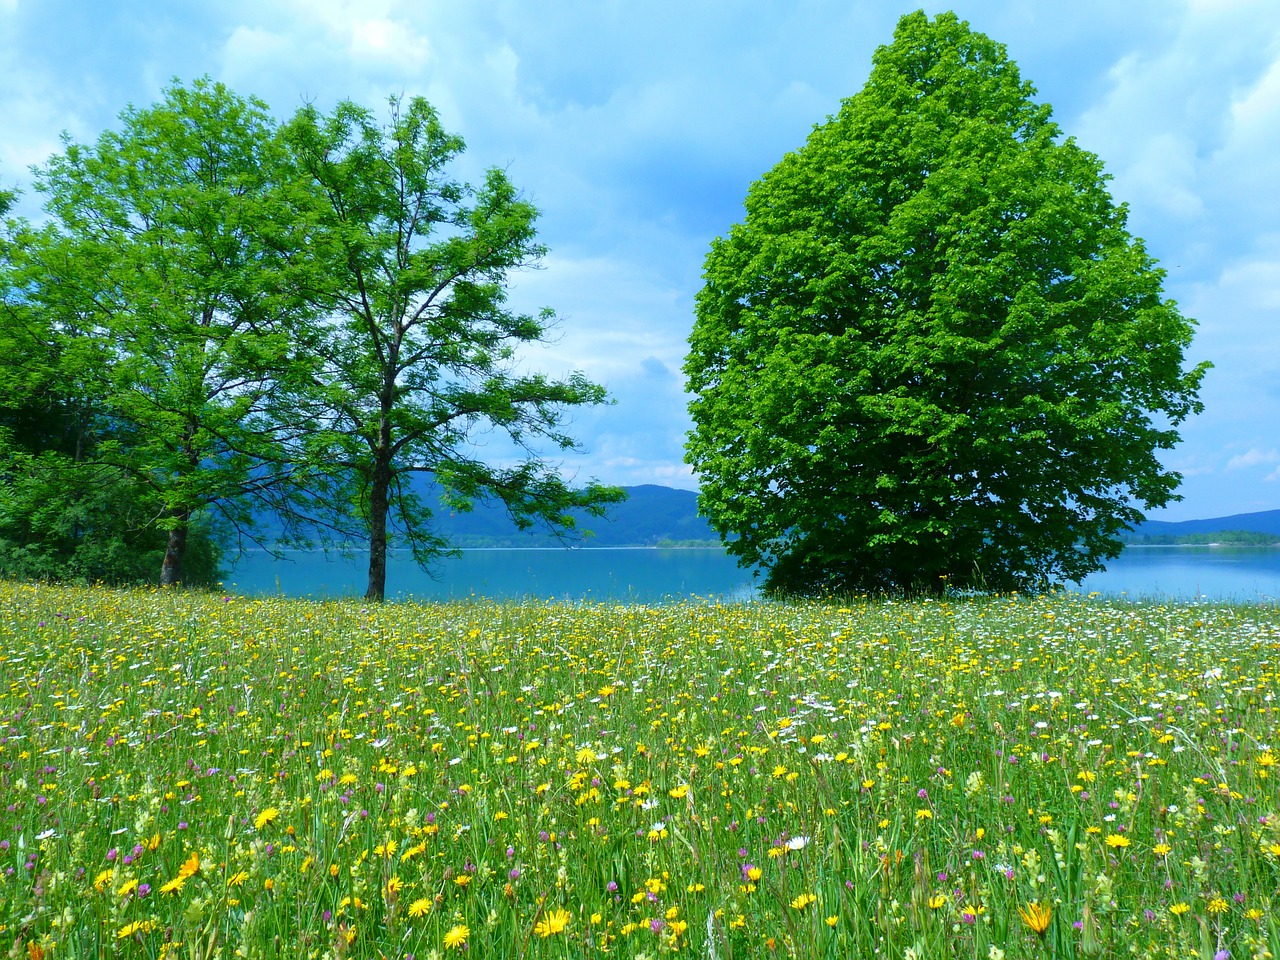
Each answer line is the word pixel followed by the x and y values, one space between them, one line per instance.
pixel 256 45
pixel 389 42
pixel 1253 458
pixel 1190 128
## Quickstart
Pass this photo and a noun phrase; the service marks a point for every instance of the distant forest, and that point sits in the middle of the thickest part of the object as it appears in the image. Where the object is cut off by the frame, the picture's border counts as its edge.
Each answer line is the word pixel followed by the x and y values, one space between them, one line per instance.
pixel 1236 538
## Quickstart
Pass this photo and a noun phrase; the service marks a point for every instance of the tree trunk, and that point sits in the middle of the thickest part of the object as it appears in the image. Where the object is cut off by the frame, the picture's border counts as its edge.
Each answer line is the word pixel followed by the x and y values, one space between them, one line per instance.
pixel 174 551
pixel 379 493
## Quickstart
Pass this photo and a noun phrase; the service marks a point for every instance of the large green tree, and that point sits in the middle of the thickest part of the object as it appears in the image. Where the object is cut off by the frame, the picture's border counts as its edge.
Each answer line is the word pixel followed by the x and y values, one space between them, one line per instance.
pixel 932 354
pixel 420 354
pixel 64 514
pixel 169 278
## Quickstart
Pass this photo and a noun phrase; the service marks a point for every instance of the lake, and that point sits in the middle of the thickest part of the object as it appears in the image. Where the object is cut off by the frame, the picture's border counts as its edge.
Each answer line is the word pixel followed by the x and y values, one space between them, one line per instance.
pixel 642 575
pixel 1247 574
pixel 647 575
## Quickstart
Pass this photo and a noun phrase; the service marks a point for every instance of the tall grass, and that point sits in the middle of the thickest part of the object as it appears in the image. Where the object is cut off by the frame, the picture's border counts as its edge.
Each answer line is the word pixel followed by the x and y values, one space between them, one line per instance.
pixel 185 775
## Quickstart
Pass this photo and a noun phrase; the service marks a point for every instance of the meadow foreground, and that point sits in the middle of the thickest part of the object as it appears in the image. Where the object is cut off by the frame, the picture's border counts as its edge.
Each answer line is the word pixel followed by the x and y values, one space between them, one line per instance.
pixel 191 775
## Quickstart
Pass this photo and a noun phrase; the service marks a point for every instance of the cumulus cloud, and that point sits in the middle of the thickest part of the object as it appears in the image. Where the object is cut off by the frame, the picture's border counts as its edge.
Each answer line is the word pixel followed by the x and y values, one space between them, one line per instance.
pixel 1189 128
pixel 1253 458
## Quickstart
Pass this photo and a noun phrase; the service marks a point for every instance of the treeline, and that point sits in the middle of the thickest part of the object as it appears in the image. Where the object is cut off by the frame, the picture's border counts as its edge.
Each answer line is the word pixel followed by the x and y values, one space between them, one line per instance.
pixel 223 318
pixel 1240 538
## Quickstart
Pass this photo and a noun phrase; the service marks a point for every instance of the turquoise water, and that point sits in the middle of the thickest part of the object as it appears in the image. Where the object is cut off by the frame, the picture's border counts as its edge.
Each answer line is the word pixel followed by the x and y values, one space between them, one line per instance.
pixel 640 575
pixel 1248 574
pixel 647 575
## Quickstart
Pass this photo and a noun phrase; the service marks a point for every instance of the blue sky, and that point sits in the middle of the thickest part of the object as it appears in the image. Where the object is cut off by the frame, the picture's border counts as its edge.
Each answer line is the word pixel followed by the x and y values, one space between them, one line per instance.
pixel 637 128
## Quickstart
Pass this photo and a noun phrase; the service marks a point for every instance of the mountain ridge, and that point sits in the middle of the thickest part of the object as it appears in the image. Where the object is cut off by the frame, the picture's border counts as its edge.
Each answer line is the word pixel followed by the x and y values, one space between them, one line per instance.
pixel 1263 521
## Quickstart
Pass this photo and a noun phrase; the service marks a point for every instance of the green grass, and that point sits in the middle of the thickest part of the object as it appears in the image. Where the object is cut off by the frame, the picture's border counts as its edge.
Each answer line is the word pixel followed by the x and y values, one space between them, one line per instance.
pixel 187 775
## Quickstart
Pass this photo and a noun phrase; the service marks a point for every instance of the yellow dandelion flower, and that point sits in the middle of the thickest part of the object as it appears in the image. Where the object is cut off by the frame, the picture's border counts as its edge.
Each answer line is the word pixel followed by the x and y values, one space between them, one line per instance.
pixel 1115 840
pixel 1178 909
pixel 553 923
pixel 175 885
pixel 1036 916
pixel 462 879
pixel 924 814
pixel 802 901
pixel 1266 759
pixel 420 907
pixel 190 867
pixel 136 927
pixel 937 901
pixel 832 921
pixel 456 937
pixel 1217 905
pixel 103 880
pixel 266 818
pixel 1161 849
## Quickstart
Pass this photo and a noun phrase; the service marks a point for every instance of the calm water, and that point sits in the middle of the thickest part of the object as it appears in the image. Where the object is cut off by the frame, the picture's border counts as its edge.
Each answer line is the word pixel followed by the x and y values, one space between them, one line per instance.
pixel 1214 573
pixel 645 575
pixel 641 575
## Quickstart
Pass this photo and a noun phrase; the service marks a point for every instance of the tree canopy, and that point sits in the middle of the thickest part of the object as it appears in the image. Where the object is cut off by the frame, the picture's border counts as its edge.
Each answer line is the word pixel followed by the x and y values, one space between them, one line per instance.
pixel 163 280
pixel 266 328
pixel 932 355
pixel 418 346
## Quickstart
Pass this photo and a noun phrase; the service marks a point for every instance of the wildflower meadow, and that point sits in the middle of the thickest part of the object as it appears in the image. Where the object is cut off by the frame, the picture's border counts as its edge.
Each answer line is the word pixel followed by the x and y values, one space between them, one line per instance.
pixel 194 775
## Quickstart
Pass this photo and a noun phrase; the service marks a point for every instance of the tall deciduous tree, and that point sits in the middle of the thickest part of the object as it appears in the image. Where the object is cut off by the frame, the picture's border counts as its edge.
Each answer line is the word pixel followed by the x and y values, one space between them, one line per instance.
pixel 420 362
pixel 932 354
pixel 166 275
pixel 64 514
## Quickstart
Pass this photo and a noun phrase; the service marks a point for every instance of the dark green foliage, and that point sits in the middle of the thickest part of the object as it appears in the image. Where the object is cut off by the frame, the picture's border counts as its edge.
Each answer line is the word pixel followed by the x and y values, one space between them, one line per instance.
pixel 64 514
pixel 932 355
pixel 82 522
